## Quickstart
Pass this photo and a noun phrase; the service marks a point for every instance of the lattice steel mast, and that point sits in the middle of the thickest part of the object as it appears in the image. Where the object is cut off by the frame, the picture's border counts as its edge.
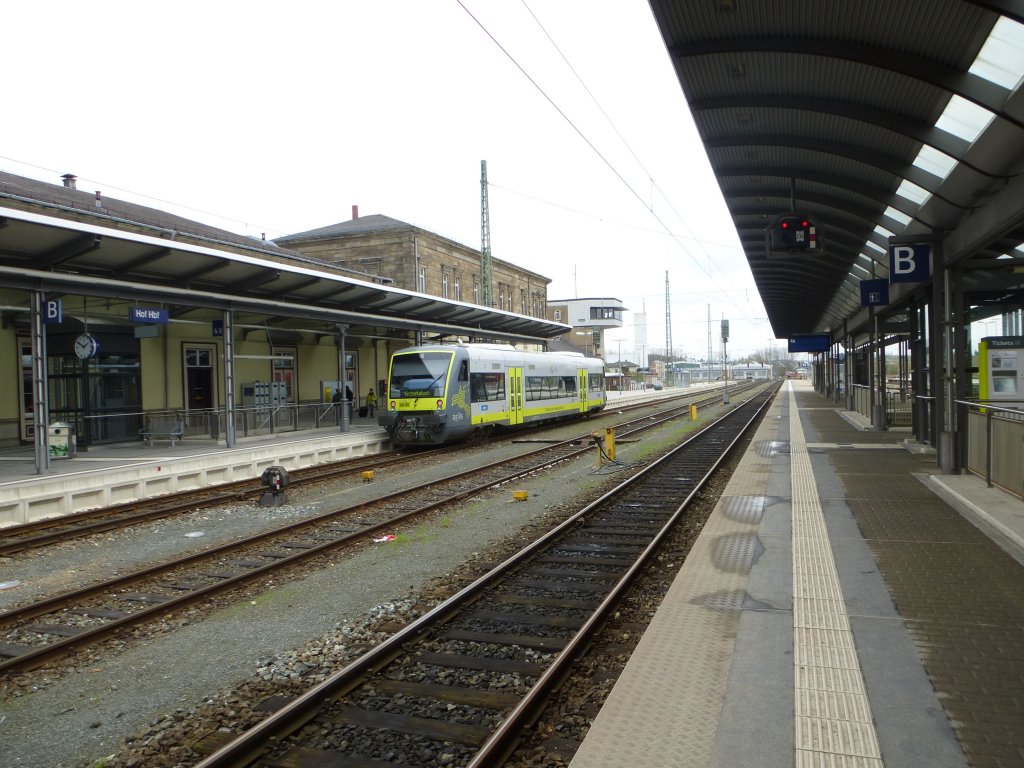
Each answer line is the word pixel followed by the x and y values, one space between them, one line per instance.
pixel 668 326
pixel 486 289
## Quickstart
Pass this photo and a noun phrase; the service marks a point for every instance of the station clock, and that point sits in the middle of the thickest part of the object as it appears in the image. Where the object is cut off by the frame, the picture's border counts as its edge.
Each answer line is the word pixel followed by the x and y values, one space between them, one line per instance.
pixel 86 346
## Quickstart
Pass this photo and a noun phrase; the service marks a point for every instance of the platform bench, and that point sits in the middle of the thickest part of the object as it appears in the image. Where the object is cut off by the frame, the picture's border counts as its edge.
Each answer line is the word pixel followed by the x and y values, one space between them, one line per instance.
pixel 163 429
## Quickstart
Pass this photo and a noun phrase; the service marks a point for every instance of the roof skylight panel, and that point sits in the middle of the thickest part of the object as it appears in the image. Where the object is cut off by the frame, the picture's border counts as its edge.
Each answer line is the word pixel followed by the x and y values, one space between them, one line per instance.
pixel 964 118
pixel 912 192
pixel 935 162
pixel 1001 59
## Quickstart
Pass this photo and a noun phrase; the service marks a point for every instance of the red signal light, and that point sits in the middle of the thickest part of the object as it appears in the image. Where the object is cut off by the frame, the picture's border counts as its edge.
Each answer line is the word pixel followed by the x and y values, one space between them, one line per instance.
pixel 784 225
pixel 805 223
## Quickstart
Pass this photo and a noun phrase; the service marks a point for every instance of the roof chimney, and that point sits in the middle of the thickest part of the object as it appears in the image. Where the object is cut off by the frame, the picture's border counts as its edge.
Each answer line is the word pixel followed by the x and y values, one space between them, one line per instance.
pixel 69 180
pixel 355 212
pixel 99 202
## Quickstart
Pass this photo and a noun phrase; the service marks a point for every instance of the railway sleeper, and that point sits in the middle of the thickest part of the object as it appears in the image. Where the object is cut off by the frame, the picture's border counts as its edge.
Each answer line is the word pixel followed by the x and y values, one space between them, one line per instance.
pixel 480 663
pixel 438 730
pixel 524 641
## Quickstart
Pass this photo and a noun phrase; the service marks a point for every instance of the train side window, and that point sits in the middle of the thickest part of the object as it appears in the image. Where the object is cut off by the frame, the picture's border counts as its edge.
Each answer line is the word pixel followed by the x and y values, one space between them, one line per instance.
pixel 464 370
pixel 568 385
pixel 487 386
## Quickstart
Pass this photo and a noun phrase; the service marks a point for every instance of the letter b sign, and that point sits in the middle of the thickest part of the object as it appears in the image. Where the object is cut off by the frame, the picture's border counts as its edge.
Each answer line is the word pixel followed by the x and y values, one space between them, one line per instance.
pixel 909 263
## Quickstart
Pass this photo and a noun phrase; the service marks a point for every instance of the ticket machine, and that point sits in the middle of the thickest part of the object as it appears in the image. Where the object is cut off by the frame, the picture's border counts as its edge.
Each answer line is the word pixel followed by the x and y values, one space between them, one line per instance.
pixel 1001 369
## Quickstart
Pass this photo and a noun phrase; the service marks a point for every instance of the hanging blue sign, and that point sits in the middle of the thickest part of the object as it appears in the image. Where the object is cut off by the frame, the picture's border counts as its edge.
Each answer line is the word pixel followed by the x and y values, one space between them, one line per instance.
pixel 809 342
pixel 874 293
pixel 147 315
pixel 217 329
pixel 909 263
pixel 53 312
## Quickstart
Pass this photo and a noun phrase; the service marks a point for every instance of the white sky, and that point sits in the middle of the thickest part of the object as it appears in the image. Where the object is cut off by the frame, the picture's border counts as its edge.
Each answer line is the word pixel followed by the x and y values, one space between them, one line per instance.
pixel 279 117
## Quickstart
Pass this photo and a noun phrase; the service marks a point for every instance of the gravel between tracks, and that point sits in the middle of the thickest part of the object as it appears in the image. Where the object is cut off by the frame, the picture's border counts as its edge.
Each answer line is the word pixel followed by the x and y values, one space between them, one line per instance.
pixel 86 714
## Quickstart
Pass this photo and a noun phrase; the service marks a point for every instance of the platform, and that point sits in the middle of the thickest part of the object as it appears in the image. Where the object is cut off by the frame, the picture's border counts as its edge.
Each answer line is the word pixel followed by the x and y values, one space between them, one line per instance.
pixel 114 474
pixel 117 473
pixel 845 605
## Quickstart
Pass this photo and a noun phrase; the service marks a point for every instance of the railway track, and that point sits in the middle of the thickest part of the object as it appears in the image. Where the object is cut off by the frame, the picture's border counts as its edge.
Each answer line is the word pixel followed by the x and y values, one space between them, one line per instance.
pixel 41 533
pixel 52 628
pixel 459 685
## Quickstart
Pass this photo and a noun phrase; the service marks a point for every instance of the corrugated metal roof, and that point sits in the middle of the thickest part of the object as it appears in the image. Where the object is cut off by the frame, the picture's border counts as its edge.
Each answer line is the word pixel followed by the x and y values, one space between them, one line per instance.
pixel 822 108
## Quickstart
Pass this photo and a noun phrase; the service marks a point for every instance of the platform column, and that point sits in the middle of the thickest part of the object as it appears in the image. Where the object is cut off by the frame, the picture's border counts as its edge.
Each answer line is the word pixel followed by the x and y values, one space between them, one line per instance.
pixel 230 438
pixel 40 399
pixel 342 373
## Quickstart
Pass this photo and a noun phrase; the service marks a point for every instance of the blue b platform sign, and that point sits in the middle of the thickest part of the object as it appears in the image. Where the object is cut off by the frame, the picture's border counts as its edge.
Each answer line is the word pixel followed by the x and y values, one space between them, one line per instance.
pixel 53 312
pixel 909 263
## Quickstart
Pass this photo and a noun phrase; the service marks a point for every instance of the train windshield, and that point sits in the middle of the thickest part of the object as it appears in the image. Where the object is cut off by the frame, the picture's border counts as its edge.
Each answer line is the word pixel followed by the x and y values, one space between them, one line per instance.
pixel 419 374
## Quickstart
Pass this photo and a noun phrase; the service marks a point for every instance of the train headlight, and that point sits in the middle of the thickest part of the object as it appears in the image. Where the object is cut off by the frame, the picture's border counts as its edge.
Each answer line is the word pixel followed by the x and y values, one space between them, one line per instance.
pixel 440 405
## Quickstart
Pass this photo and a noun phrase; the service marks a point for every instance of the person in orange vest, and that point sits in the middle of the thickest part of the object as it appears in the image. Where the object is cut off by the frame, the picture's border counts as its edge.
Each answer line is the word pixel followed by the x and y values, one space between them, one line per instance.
pixel 371 401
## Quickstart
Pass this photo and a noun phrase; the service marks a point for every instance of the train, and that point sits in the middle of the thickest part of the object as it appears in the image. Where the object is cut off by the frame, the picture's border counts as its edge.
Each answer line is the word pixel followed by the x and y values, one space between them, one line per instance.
pixel 443 393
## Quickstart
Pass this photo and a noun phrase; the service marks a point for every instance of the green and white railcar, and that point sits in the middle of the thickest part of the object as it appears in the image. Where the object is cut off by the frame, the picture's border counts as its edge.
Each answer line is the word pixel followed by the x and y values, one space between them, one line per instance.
pixel 443 393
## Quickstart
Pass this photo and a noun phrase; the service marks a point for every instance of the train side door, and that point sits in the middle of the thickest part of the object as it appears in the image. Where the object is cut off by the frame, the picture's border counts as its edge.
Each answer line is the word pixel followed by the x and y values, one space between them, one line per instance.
pixel 583 390
pixel 515 395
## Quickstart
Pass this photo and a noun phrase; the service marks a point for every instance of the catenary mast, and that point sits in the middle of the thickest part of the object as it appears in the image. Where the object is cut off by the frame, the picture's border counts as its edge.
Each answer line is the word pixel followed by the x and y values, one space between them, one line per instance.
pixel 486 290
pixel 668 328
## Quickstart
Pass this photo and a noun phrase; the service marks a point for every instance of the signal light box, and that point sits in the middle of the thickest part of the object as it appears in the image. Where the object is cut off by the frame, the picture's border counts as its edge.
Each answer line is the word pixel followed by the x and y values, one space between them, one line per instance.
pixel 794 232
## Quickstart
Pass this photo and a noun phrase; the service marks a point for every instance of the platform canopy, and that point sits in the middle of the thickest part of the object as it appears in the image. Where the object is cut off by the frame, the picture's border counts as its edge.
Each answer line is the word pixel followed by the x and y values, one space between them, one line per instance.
pixel 870 119
pixel 66 243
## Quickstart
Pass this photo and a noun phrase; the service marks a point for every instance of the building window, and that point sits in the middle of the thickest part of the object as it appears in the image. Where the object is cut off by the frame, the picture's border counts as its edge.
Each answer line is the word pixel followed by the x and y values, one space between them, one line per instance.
pixel 476 291
pixel 522 302
pixel 421 280
pixel 605 313
pixel 501 297
pixel 444 284
pixel 558 315
pixel 458 288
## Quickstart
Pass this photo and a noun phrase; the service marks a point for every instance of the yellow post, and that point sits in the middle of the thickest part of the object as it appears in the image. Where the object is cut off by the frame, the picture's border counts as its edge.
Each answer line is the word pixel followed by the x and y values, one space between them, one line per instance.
pixel 693 412
pixel 609 443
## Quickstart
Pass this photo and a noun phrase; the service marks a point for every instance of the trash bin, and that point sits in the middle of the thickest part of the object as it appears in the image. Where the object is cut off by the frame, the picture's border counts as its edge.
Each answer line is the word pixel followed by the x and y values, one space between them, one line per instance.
pixel 61 441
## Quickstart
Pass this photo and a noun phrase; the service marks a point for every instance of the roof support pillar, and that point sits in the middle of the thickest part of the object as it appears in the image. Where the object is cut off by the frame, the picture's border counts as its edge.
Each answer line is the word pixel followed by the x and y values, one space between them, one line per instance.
pixel 230 437
pixel 40 391
pixel 342 373
pixel 941 353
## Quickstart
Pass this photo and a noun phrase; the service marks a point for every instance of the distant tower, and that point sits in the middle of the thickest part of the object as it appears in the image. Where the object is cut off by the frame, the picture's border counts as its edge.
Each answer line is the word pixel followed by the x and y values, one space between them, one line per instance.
pixel 709 342
pixel 486 288
pixel 640 335
pixel 668 321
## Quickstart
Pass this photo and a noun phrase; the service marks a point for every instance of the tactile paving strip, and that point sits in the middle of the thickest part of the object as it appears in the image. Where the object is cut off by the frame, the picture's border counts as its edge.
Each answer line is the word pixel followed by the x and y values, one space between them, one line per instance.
pixel 833 725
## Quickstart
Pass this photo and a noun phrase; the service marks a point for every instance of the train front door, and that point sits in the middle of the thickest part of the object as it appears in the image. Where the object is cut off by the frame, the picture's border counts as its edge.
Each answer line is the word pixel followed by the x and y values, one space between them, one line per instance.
pixel 515 395
pixel 583 390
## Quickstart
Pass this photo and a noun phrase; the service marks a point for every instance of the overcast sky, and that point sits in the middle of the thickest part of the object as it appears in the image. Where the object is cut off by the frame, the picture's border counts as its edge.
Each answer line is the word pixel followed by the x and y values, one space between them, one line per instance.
pixel 277 118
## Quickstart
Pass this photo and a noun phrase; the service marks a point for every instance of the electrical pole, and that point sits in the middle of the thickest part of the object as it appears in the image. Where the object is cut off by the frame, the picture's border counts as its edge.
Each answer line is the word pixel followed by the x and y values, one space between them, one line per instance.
pixel 668 330
pixel 486 287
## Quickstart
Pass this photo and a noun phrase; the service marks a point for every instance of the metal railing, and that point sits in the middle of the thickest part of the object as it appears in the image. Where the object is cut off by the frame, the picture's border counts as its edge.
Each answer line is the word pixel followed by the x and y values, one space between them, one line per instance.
pixel 995 435
pixel 209 423
pixel 898 405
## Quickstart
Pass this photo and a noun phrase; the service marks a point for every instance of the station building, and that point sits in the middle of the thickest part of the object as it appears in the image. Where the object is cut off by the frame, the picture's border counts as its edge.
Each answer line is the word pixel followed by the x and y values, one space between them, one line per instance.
pixel 395 253
pixel 115 313
pixel 589 318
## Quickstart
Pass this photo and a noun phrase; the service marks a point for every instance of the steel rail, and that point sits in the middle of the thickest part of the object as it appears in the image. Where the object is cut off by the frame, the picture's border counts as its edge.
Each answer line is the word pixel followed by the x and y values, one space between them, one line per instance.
pixel 250 746
pixel 45 653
